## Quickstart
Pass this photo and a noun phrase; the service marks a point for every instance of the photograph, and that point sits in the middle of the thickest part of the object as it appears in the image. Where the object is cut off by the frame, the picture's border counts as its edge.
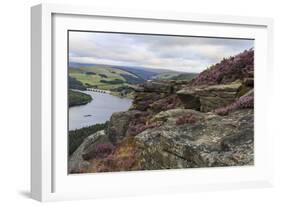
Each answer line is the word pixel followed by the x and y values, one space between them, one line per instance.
pixel 139 101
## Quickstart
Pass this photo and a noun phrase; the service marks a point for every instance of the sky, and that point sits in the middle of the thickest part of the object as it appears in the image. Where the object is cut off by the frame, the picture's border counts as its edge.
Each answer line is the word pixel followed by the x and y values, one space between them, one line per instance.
pixel 178 53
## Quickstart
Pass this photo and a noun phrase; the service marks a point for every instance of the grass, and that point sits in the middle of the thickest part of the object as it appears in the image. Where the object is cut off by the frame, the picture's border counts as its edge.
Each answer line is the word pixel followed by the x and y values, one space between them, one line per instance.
pixel 104 73
pixel 76 98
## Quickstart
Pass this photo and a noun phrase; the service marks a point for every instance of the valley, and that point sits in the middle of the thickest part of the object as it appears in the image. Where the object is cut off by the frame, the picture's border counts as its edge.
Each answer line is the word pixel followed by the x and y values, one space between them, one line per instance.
pixel 116 79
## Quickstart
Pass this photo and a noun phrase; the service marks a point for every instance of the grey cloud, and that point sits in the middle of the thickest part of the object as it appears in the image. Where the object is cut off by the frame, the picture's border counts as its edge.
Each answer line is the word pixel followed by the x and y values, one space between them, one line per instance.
pixel 170 52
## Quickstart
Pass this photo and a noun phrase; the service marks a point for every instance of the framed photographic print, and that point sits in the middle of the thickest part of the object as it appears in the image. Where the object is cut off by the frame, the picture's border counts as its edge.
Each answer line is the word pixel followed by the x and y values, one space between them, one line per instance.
pixel 135 102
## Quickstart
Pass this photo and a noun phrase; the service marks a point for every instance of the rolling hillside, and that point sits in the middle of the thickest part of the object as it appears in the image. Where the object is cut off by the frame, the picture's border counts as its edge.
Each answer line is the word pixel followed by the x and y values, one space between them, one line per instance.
pixel 143 73
pixel 184 76
pixel 229 69
pixel 118 79
pixel 103 77
pixel 173 75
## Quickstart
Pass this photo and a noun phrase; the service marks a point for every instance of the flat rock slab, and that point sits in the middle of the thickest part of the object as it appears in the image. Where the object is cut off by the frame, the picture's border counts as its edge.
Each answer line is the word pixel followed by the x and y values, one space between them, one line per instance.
pixel 208 98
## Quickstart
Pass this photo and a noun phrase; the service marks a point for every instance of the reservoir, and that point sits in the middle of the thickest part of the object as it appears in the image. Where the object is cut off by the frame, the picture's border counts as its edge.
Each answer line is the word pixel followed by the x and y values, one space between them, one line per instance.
pixel 99 110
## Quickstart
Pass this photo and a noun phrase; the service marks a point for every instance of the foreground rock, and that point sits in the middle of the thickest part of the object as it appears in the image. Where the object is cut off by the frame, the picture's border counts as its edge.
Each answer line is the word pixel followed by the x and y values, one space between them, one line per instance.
pixel 185 139
pixel 211 141
pixel 118 124
pixel 78 161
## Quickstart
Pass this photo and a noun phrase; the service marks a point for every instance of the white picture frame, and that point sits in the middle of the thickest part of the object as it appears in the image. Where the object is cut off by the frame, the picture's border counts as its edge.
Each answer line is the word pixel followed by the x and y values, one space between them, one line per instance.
pixel 49 178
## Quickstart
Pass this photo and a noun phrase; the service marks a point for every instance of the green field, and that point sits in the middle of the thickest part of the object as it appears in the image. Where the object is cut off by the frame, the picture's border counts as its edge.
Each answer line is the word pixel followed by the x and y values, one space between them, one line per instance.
pixel 106 78
pixel 101 77
pixel 175 76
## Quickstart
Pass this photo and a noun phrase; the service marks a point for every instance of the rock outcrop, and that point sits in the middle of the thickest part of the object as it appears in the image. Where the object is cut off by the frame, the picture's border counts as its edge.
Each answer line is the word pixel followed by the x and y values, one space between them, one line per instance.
pixel 118 124
pixel 149 92
pixel 211 141
pixel 78 162
pixel 157 86
pixel 208 98
pixel 189 98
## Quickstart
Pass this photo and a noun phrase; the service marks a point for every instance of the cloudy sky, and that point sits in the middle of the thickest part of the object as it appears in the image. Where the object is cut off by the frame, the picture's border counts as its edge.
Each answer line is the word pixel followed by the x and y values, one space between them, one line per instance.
pixel 189 54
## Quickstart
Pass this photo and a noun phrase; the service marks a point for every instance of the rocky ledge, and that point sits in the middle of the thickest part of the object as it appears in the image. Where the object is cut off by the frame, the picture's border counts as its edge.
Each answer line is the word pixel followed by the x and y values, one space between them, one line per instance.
pixel 208 98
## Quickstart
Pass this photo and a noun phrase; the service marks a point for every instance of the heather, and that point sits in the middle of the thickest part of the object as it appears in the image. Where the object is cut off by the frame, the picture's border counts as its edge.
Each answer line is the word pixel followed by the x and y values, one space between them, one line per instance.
pixel 243 102
pixel 167 103
pixel 186 119
pixel 103 150
pixel 140 123
pixel 122 158
pixel 228 70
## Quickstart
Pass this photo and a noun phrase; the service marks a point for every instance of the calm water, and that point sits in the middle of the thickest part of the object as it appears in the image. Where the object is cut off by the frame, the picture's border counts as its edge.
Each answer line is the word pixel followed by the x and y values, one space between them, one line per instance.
pixel 99 110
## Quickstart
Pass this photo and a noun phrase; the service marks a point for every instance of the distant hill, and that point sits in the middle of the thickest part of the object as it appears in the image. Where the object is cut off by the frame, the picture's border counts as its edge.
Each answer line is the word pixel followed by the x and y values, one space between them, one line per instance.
pixel 144 73
pixel 228 70
pixel 185 76
pixel 166 75
pixel 141 72
pixel 133 75
pixel 175 76
pixel 103 77
pixel 78 65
